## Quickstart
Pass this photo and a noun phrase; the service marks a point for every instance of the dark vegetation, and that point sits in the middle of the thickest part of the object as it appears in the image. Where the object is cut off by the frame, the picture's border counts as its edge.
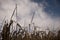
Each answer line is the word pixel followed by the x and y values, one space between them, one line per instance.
pixel 24 35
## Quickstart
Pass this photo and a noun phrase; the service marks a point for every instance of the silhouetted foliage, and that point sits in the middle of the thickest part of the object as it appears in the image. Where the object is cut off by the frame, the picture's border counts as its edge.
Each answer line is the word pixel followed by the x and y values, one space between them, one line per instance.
pixel 24 35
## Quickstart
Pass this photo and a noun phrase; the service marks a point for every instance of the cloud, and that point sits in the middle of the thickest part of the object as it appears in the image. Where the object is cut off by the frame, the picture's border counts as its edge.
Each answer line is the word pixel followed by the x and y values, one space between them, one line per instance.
pixel 25 11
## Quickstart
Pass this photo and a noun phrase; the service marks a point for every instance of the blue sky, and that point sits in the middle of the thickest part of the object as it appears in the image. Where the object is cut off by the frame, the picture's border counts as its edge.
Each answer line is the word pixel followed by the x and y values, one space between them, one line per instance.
pixel 52 8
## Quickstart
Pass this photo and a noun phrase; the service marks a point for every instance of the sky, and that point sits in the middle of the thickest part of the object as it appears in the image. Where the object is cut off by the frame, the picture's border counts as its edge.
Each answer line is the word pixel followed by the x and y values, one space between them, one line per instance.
pixel 47 12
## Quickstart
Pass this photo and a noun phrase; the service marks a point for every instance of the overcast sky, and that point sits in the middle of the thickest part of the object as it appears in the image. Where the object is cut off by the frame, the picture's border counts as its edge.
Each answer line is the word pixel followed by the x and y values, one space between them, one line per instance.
pixel 47 12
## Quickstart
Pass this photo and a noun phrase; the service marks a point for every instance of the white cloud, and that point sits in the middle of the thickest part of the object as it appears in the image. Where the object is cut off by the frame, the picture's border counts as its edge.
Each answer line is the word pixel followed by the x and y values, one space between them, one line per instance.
pixel 25 8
